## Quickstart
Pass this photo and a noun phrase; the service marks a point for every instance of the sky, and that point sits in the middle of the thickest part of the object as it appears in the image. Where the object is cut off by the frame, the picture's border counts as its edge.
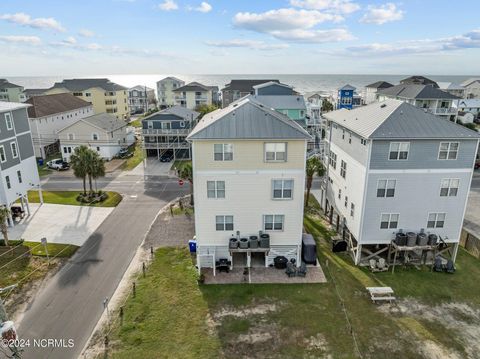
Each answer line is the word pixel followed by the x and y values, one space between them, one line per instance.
pixel 90 37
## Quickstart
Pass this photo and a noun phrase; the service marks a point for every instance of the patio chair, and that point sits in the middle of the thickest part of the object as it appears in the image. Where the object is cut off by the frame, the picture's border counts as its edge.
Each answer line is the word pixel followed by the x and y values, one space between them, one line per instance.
pixel 302 270
pixel 291 271
pixel 373 265
pixel 381 264
pixel 450 267
pixel 438 266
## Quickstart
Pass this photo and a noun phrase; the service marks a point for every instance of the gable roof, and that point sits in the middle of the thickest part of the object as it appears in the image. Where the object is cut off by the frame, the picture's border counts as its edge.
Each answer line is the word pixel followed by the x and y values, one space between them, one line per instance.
pixel 270 83
pixel 280 102
pixel 394 119
pixel 140 88
pixel 171 78
pixel 470 102
pixel 246 85
pixel 103 121
pixel 247 119
pixel 84 84
pixel 5 84
pixel 449 86
pixel 45 105
pixel 418 80
pixel 34 92
pixel 193 86
pixel 470 81
pixel 416 92
pixel 348 87
pixel 181 112
pixel 380 85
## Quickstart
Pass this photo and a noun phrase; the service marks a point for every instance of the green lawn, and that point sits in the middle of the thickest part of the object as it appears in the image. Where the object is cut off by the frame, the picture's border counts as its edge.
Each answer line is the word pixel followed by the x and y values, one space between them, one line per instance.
pixel 136 123
pixel 138 156
pixel 70 198
pixel 172 315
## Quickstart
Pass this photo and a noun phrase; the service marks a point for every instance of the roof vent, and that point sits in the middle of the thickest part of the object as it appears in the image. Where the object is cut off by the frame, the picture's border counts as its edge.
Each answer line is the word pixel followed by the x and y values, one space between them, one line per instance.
pixel 383 105
pixel 235 105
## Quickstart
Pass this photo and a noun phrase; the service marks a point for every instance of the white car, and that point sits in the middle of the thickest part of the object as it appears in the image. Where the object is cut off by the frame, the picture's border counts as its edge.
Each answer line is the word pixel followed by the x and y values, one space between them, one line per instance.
pixel 58 164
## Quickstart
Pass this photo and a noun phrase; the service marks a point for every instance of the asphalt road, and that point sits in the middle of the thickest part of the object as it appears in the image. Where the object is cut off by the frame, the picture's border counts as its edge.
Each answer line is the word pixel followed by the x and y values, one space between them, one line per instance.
pixel 71 304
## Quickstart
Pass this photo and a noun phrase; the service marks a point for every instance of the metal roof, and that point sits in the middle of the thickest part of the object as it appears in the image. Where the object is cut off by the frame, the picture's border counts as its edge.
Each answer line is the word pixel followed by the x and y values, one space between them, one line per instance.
pixel 281 102
pixel 470 81
pixel 395 119
pixel 104 121
pixel 449 86
pixel 470 102
pixel 45 105
pixel 348 87
pixel 247 119
pixel 416 92
pixel 10 106
pixel 245 85
pixel 380 85
pixel 270 83
pixel 181 112
pixel 85 84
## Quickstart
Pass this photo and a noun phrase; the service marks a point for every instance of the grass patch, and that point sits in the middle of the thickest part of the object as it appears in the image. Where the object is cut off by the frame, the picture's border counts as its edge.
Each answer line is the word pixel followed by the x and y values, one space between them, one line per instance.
pixel 70 198
pixel 138 156
pixel 136 123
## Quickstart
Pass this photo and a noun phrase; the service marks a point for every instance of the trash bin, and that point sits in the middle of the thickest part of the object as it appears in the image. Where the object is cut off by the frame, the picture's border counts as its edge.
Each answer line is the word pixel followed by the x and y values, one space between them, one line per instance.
pixel 40 161
pixel 192 245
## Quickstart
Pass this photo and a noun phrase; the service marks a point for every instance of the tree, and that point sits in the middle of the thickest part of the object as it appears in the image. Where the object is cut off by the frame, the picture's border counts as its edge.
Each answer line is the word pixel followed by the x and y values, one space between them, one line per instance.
pixel 79 163
pixel 97 168
pixel 186 173
pixel 326 105
pixel 204 109
pixel 313 166
pixel 4 216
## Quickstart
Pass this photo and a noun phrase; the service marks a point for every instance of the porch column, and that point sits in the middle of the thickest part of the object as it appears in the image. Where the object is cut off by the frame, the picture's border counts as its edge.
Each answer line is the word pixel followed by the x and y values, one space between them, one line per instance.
pixel 27 204
pixel 22 204
pixel 249 260
pixel 455 251
pixel 358 255
pixel 10 219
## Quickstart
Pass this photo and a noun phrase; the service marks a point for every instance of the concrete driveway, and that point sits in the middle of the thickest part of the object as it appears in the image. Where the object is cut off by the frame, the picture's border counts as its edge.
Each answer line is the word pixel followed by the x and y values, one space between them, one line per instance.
pixel 151 166
pixel 60 223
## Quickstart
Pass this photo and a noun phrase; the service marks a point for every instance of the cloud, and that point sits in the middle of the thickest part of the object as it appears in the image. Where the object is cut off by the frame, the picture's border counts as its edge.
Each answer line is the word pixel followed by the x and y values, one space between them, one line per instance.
pixel 203 7
pixel 314 36
pixel 382 14
pixel 26 40
pixel 86 33
pixel 37 23
pixel 334 6
pixel 250 44
pixel 469 40
pixel 168 5
pixel 71 40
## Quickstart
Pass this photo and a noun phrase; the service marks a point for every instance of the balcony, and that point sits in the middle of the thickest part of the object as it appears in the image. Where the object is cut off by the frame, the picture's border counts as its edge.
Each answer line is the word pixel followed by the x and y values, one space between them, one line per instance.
pixel 442 110
pixel 166 145
pixel 152 131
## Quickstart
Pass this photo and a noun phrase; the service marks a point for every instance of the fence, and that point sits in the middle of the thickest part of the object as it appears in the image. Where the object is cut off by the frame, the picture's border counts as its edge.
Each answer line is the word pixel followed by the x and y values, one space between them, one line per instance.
pixel 470 242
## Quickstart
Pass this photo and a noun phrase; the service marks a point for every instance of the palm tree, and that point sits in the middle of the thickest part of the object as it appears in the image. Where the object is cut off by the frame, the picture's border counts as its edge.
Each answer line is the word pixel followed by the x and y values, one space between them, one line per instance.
pixel 186 173
pixel 79 162
pixel 4 216
pixel 97 169
pixel 313 166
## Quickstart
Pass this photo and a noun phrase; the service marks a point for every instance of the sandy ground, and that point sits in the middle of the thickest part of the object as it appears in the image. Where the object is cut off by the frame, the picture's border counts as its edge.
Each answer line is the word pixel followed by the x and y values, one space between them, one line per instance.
pixel 60 223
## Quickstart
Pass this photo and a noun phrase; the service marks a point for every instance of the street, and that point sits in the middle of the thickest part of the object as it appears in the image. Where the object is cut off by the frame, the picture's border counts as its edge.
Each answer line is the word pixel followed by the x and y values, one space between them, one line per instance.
pixel 71 304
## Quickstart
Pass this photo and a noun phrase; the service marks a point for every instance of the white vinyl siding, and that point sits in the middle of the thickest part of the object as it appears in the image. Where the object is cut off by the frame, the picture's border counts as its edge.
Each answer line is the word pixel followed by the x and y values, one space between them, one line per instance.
pixel 224 223
pixel 276 152
pixel 282 189
pixel 389 220
pixel 273 222
pixel 399 150
pixel 223 152
pixel 436 220
pixel 449 187
pixel 448 150
pixel 216 189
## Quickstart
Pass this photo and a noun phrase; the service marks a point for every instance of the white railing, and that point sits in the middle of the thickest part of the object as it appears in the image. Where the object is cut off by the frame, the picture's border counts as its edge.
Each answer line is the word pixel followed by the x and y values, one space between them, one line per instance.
pixel 442 110
pixel 165 145
pixel 152 131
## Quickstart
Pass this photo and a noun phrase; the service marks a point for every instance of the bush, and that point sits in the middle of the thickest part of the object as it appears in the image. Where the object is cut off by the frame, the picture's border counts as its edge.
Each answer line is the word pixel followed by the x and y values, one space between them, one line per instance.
pixel 92 197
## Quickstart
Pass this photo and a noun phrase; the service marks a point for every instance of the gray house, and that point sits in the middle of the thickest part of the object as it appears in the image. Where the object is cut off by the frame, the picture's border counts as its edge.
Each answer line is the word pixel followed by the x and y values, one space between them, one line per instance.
pixel 237 89
pixel 393 167
pixel 166 131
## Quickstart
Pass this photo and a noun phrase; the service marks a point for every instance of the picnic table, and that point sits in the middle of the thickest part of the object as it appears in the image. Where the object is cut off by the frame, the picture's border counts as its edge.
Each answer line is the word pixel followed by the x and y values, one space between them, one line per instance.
pixel 381 294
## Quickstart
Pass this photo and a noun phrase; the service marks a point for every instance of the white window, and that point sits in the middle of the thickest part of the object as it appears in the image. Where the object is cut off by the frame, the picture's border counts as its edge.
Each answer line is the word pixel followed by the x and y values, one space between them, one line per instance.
pixel 150 124
pixel 352 209
pixel 7 181
pixel 389 221
pixel 386 188
pixel 95 136
pixel 19 176
pixel 3 158
pixel 333 160
pixel 363 141
pixel 282 189
pixel 346 201
pixel 273 222
pixel 436 220
pixel 449 187
pixel 339 194
pixel 216 189
pixel 223 152
pixel 343 169
pixel 350 137
pixel 182 123
pixel 448 151
pixel 71 136
pixel 13 146
pixel 8 121
pixel 275 151
pixel 399 150
pixel 224 223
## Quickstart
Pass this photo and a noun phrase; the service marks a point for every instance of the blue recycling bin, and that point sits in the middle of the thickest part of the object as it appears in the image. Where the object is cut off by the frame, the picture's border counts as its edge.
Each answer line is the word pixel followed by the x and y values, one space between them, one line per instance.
pixel 40 161
pixel 192 245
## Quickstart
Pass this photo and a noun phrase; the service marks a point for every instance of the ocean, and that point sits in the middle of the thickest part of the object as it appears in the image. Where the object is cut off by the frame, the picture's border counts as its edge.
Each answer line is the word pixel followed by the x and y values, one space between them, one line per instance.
pixel 302 83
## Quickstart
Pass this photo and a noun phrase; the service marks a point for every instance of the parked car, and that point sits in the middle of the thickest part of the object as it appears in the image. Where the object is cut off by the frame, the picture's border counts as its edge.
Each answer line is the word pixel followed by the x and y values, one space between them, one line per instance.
pixel 124 153
pixel 166 156
pixel 58 164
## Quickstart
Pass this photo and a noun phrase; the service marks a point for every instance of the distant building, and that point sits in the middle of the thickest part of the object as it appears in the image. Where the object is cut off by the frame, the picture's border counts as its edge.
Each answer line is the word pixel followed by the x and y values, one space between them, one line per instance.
pixel 393 167
pixel 195 94
pixel 18 167
pixel 470 105
pixel 453 89
pixel 418 80
pixel 472 88
pixel 140 99
pixel 50 113
pixel 104 95
pixel 370 91
pixel 165 88
pixel 348 98
pixel 10 92
pixel 167 130
pixel 427 97
pixel 237 89
pixel 29 93
pixel 104 133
